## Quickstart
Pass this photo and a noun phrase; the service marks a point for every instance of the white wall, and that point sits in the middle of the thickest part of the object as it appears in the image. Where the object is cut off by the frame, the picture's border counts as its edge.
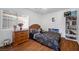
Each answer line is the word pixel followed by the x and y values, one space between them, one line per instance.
pixel 59 22
pixel 34 18
pixel 5 34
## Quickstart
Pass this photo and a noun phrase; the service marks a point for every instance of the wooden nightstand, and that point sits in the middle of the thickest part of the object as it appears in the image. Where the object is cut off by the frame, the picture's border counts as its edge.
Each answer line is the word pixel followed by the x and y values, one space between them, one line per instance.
pixel 20 37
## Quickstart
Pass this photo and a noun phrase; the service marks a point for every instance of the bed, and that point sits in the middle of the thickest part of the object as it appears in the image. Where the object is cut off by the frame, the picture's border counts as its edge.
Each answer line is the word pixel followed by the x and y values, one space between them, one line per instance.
pixel 50 39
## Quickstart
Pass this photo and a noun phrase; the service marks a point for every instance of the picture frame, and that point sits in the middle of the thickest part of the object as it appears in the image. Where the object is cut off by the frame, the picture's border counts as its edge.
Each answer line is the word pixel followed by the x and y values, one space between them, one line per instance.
pixel 53 19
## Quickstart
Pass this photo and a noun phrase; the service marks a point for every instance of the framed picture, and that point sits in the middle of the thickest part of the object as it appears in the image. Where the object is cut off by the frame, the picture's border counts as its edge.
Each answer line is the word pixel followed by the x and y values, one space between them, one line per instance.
pixel 53 19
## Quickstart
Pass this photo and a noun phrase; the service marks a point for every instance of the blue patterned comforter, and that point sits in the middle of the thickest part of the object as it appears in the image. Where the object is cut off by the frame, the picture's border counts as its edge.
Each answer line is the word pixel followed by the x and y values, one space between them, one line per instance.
pixel 50 39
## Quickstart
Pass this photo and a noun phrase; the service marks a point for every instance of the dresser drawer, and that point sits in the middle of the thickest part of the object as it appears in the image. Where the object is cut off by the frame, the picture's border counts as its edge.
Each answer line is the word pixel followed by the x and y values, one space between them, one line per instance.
pixel 20 36
pixel 24 35
pixel 20 33
pixel 20 39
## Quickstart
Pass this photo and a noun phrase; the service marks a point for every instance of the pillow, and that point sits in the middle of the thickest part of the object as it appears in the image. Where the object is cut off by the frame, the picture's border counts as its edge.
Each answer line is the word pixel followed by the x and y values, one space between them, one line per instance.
pixel 33 31
pixel 54 30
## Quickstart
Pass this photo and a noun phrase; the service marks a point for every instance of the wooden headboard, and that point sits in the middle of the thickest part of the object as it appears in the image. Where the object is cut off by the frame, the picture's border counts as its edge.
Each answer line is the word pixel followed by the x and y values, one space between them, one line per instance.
pixel 35 26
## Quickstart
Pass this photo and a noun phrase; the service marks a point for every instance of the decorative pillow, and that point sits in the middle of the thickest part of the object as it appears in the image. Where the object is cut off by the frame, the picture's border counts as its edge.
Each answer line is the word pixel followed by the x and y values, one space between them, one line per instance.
pixel 54 30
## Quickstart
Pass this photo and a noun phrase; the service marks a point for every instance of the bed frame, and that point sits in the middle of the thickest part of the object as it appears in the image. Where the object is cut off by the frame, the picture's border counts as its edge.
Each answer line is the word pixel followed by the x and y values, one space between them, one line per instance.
pixel 35 26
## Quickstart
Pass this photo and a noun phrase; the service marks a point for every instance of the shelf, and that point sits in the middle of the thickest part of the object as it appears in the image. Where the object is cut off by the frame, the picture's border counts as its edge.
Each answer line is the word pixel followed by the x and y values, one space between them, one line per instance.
pixel 71 35
pixel 71 25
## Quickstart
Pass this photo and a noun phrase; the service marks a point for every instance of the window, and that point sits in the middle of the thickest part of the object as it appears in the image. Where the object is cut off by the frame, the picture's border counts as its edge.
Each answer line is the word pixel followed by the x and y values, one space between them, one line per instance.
pixel 8 21
pixel 25 21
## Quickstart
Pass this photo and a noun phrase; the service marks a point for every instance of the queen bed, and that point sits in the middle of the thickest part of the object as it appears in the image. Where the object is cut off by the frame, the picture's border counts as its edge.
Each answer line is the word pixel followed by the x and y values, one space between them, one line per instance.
pixel 50 39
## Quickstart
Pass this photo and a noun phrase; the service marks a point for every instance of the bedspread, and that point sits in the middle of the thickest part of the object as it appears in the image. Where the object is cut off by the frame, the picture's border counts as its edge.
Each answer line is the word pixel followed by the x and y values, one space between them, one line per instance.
pixel 50 39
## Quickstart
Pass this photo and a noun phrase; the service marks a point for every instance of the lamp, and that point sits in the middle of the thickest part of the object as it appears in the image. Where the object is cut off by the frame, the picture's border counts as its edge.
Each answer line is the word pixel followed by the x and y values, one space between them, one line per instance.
pixel 20 25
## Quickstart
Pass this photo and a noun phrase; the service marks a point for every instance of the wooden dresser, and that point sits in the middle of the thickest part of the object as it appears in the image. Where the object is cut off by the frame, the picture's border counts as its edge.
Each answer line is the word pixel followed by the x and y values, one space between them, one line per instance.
pixel 20 37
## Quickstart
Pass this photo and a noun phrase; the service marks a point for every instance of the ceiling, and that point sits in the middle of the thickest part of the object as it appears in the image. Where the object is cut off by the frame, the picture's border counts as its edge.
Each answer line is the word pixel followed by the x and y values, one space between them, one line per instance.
pixel 15 11
pixel 45 10
pixel 22 11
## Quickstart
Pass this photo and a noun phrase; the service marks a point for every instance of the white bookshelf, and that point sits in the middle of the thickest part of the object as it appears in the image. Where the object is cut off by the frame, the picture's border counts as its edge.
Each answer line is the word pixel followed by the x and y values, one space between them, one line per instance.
pixel 71 26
